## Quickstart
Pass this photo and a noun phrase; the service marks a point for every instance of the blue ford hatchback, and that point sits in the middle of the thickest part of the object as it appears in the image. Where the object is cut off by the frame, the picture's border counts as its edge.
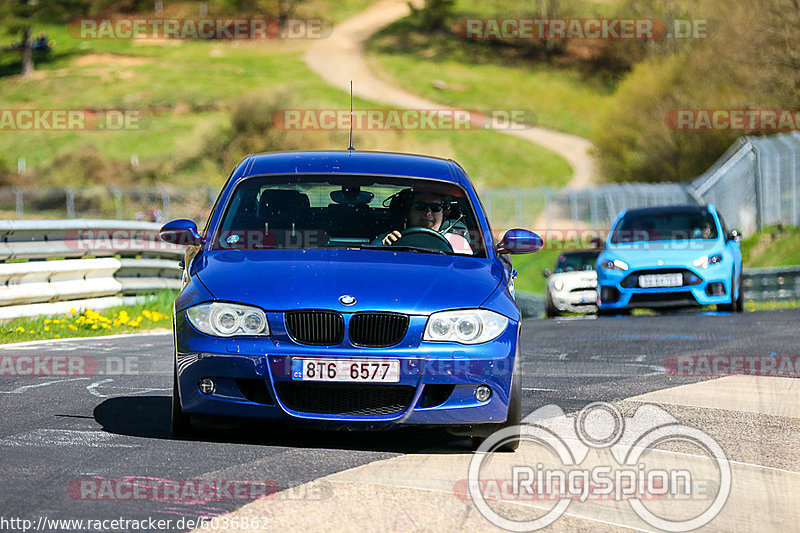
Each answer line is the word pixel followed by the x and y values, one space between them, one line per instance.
pixel 348 290
pixel 670 256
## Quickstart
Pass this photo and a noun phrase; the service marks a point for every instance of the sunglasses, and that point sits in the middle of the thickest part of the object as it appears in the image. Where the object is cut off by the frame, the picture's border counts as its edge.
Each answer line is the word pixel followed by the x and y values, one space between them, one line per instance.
pixel 435 207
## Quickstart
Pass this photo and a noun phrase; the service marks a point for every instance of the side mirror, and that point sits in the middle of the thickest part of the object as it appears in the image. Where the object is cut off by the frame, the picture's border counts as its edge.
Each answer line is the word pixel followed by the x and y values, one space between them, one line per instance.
pixel 734 235
pixel 181 232
pixel 519 241
pixel 546 272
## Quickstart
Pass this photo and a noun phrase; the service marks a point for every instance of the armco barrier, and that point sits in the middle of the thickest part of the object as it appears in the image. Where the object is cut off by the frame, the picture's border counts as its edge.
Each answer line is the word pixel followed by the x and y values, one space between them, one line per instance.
pixel 772 283
pixel 81 263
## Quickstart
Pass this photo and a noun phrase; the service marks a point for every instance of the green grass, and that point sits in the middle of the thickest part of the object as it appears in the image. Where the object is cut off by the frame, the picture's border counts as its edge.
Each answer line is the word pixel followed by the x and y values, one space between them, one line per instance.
pixel 777 246
pixel 185 91
pixel 154 311
pixel 530 268
pixel 476 76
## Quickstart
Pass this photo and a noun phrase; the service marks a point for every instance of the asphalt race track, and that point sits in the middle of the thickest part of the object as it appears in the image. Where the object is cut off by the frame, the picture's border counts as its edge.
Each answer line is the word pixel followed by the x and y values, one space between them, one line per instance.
pixel 113 423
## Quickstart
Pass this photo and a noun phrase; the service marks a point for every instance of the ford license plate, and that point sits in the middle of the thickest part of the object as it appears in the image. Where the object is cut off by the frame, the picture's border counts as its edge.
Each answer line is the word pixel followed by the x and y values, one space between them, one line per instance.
pixel 650 281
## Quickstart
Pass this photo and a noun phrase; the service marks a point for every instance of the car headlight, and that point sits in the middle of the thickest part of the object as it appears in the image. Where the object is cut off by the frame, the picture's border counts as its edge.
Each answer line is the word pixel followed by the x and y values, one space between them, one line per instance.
pixel 558 285
pixel 468 326
pixel 616 264
pixel 707 260
pixel 227 320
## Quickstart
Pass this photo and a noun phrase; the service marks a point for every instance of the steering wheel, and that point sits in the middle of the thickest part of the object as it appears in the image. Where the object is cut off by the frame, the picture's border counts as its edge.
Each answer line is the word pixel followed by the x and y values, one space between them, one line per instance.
pixel 424 238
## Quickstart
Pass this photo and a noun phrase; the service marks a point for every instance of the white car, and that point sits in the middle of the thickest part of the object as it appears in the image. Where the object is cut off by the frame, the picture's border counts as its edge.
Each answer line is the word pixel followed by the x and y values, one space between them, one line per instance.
pixel 572 286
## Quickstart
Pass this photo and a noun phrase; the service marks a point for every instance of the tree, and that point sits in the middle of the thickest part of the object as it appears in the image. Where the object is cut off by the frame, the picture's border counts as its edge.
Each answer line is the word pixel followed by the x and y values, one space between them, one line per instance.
pixel 21 15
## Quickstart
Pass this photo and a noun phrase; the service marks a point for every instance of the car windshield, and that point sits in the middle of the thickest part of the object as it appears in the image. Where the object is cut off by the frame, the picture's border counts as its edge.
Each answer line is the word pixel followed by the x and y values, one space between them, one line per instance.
pixel 665 226
pixel 576 261
pixel 312 211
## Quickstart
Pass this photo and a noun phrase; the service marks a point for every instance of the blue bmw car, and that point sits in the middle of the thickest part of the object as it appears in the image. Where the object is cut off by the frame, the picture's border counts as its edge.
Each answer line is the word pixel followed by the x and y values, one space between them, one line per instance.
pixel 356 290
pixel 671 256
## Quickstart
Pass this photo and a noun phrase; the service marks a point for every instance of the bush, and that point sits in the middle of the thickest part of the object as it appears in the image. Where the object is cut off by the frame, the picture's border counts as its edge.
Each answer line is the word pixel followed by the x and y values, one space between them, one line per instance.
pixel 84 167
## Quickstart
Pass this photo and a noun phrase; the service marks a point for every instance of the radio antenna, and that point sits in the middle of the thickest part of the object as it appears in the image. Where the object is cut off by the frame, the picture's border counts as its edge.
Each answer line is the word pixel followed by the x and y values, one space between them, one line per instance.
pixel 351 117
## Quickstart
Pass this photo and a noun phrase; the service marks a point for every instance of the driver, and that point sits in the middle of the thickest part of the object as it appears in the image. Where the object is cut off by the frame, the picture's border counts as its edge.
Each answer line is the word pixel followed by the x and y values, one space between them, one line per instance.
pixel 426 210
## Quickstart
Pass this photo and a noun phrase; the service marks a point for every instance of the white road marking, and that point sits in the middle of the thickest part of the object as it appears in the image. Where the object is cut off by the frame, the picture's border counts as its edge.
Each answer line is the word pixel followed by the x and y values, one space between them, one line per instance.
pixel 92 388
pixel 537 389
pixel 20 390
pixel 64 437
pixel 128 390
pixel 24 345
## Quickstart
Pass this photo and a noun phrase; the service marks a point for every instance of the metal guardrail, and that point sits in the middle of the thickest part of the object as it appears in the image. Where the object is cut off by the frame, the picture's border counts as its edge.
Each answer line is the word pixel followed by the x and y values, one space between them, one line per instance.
pixel 72 262
pixel 772 283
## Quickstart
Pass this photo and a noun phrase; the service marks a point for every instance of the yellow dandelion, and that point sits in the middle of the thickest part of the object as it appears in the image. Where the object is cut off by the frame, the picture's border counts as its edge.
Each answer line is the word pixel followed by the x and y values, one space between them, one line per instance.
pixel 47 320
pixel 73 328
pixel 73 310
pixel 58 336
pixel 20 328
pixel 95 326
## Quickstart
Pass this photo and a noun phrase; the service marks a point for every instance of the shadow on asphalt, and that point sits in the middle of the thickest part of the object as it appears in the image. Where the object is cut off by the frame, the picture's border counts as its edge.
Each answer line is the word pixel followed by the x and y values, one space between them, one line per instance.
pixel 149 417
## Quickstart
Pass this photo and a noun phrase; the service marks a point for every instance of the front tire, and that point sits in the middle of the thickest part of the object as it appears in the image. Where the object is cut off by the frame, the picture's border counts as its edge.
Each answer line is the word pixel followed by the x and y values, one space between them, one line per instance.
pixel 180 423
pixel 737 303
pixel 514 417
pixel 549 309
pixel 739 307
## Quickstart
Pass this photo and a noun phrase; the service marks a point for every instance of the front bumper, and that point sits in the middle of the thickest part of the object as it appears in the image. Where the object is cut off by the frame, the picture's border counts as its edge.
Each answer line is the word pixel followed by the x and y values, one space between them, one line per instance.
pixel 437 380
pixel 701 287
pixel 584 301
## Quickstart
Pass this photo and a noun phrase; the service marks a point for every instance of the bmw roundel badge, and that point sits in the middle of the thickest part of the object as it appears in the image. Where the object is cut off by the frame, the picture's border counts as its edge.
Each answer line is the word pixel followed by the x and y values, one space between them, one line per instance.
pixel 346 299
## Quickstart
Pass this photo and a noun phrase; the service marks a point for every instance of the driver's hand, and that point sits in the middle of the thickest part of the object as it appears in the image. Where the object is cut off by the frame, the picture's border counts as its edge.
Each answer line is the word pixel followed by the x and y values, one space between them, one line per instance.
pixel 391 238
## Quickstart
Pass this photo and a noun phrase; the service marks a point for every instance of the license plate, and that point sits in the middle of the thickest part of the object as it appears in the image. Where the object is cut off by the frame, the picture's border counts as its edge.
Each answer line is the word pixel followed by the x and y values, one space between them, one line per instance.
pixel 660 280
pixel 351 370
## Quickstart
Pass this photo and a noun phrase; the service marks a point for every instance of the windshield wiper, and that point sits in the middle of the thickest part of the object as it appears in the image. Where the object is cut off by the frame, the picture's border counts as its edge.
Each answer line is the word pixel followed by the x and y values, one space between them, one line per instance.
pixel 415 249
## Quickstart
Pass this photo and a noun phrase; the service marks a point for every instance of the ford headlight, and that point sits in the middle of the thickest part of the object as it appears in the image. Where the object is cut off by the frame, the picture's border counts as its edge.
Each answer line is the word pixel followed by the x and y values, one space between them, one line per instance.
pixel 707 260
pixel 468 326
pixel 227 320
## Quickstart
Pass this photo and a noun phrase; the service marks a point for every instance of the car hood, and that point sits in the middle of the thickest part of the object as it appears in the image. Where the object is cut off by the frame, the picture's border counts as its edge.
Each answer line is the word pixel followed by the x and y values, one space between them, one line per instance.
pixel 411 283
pixel 660 253
pixel 587 278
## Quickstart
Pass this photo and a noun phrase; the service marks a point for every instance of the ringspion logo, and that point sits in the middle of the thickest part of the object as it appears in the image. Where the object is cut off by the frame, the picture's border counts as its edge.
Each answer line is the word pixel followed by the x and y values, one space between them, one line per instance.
pixel 601 455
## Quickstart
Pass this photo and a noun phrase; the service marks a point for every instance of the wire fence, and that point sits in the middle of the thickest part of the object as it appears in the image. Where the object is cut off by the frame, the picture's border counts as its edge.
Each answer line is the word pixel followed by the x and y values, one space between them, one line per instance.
pixel 754 185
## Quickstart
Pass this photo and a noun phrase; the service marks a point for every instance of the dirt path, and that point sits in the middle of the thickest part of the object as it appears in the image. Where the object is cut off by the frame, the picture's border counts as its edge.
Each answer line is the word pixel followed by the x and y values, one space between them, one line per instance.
pixel 340 58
